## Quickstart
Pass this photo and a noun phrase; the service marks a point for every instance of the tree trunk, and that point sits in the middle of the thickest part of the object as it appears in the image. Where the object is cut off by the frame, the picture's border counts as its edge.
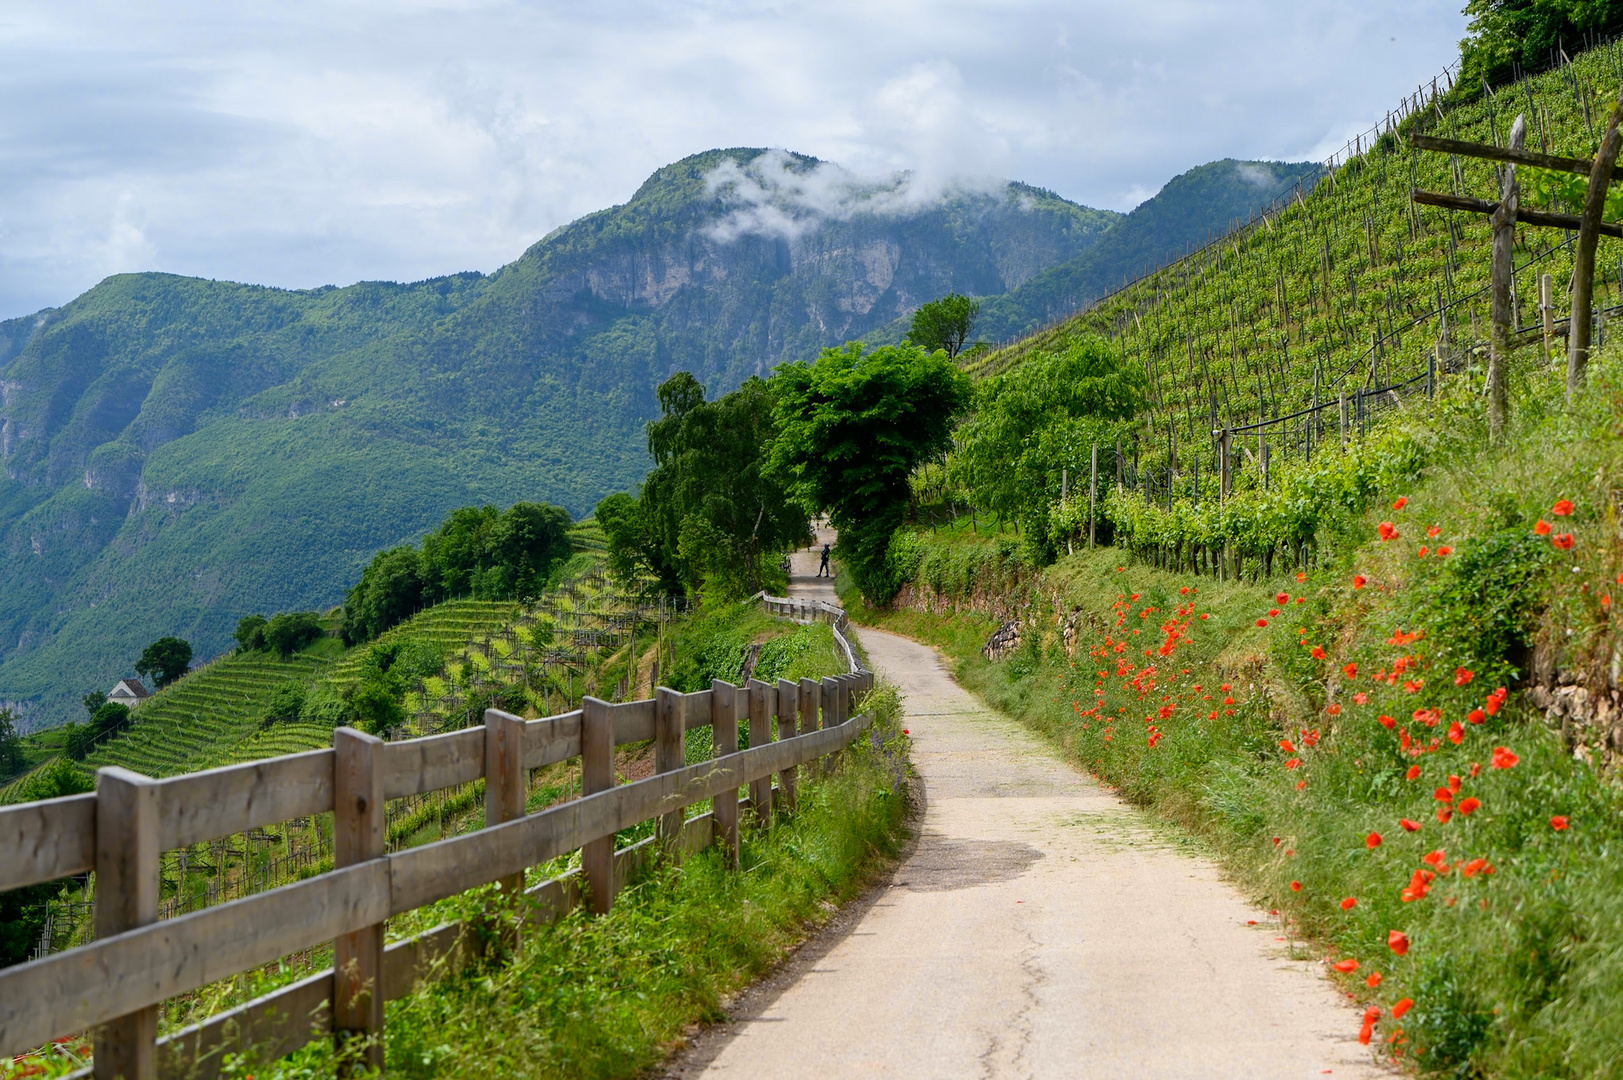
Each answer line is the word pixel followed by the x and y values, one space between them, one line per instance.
pixel 1583 271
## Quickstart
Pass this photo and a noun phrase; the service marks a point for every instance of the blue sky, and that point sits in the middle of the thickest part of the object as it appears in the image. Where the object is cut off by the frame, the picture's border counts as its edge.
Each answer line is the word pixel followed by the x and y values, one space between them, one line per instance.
pixel 305 144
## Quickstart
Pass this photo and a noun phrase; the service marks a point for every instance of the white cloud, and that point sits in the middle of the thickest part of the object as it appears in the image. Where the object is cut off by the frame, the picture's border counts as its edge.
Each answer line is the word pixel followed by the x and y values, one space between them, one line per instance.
pixel 299 144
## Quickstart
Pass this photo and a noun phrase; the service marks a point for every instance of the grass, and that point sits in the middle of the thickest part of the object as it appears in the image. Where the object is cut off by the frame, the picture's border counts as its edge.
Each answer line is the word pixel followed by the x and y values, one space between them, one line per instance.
pixel 1513 968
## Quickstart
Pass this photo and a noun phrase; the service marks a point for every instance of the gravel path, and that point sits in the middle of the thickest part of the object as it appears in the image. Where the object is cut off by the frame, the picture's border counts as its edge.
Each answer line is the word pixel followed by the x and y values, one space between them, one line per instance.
pixel 1040 927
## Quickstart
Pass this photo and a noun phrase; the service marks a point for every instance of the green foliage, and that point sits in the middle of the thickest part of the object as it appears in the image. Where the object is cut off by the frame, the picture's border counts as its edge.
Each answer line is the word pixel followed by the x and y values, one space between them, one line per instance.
pixel 250 635
pixel 53 780
pixel 853 426
pixel 1505 35
pixel 165 660
pixel 11 743
pixel 108 720
pixel 1486 605
pixel 291 631
pixel 286 703
pixel 1037 424
pixel 944 324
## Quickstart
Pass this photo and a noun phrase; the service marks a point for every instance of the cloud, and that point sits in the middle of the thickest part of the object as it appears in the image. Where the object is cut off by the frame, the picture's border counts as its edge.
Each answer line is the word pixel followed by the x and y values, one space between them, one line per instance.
pixel 304 143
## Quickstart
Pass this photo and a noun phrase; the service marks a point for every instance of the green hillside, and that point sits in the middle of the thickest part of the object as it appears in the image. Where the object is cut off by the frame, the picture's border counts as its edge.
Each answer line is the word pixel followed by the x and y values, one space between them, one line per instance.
pixel 1249 327
pixel 180 452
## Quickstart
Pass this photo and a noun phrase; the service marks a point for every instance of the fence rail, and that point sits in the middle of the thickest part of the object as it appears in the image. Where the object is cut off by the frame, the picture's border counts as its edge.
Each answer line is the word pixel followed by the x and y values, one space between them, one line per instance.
pixel 115 983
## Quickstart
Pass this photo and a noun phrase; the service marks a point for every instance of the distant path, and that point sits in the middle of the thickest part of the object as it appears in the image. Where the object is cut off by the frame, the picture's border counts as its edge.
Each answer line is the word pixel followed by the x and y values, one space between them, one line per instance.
pixel 1040 928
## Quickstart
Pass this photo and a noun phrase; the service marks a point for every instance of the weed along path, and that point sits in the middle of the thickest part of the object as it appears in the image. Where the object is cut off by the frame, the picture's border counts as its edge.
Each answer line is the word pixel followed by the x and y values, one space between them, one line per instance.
pixel 1040 927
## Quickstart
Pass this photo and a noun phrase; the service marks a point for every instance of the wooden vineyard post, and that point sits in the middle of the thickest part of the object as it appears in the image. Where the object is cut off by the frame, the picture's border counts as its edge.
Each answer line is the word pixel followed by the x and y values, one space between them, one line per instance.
pixel 1583 270
pixel 669 725
pixel 1343 403
pixel 1546 310
pixel 597 774
pixel 505 792
pixel 126 898
pixel 831 718
pixel 1503 220
pixel 788 721
pixel 809 695
pixel 760 705
pixel 724 736
pixel 1093 490
pixel 358 835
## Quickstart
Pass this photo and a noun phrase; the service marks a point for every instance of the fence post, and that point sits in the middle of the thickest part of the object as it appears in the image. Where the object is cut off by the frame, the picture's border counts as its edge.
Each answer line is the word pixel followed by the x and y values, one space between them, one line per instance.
pixel 760 710
pixel 724 740
pixel 1342 400
pixel 126 898
pixel 597 774
pixel 669 726
pixel 505 792
pixel 358 835
pixel 807 699
pixel 1093 489
pixel 788 721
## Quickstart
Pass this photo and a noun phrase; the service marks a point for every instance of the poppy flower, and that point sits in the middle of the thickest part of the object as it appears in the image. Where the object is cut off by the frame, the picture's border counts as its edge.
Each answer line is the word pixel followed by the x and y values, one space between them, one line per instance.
pixel 1413 773
pixel 1349 670
pixel 1398 942
pixel 1423 552
pixel 1503 758
pixel 1469 804
pixel 1434 858
pixel 1282 598
pixel 1444 814
pixel 1366 1033
pixel 1285 745
pixel 1226 687
pixel 1317 653
pixel 1463 676
pixel 1228 701
pixel 1541 528
pixel 1296 886
pixel 1562 508
pixel 1262 622
pixel 1373 981
pixel 1387 531
pixel 1333 710
pixel 906 732
pixel 1454 784
pixel 1409 826
pixel 1444 551
pixel 1360 698
pixel 1456 734
pixel 1372 841
pixel 1402 1007
pixel 1348 904
pixel 1386 722
pixel 1301 575
pixel 1359 581
pixel 1346 967
pixel 1558 822
pixel 1400 502
pixel 1562 541
pixel 1475 716
pixel 1474 867
pixel 1292 763
pixel 1443 794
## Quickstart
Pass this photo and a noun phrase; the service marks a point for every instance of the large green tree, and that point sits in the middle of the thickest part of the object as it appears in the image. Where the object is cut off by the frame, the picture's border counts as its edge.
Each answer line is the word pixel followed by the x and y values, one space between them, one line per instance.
pixel 709 513
pixel 1504 35
pixel 1040 421
pixel 165 660
pixel 853 426
pixel 944 324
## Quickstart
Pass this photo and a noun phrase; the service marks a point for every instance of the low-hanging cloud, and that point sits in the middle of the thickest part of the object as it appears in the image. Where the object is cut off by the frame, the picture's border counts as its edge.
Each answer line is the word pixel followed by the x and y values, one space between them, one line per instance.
pixel 777 193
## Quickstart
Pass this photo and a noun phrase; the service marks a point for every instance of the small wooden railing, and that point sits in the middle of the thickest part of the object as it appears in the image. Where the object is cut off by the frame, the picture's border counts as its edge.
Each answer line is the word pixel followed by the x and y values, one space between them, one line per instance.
pixel 803 610
pixel 115 984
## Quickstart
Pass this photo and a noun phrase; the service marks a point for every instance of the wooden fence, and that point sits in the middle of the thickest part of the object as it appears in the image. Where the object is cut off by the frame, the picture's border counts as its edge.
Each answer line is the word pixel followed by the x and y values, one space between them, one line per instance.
pixel 115 984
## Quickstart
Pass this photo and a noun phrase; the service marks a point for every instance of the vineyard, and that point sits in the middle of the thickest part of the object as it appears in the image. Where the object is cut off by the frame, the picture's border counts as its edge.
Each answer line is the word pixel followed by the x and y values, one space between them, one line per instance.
pixel 1349 286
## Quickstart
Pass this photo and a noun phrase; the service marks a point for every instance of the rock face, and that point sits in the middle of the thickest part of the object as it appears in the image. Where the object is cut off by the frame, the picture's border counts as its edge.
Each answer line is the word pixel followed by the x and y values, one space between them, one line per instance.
pixel 176 453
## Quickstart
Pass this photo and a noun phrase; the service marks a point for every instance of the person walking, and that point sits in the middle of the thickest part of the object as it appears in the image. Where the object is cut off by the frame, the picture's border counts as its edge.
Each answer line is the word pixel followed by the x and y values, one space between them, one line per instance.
pixel 822 569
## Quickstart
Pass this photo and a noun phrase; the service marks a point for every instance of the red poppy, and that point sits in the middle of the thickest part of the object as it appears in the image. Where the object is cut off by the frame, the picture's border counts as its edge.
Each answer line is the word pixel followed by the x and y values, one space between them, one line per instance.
pixel 1366 1033
pixel 1386 722
pixel 1317 653
pixel 1349 670
pixel 1562 541
pixel 1409 826
pixel 1442 794
pixel 1444 551
pixel 1346 967
pixel 1402 1007
pixel 1474 867
pixel 1558 822
pixel 1228 701
pixel 1372 982
pixel 1334 710
pixel 1562 508
pixel 1469 804
pixel 1413 773
pixel 1262 622
pixel 1503 758
pixel 1475 716
pixel 906 732
pixel 1373 840
pixel 1282 598
pixel 1541 528
pixel 1296 886
pixel 1348 904
pixel 1401 502
pixel 1387 531
pixel 1292 763
pixel 1285 745
pixel 1434 858
pixel 1456 734
pixel 1454 784
pixel 1463 676
pixel 1226 687
pixel 1397 941
pixel 1444 814
pixel 1359 581
pixel 1423 552
pixel 1301 575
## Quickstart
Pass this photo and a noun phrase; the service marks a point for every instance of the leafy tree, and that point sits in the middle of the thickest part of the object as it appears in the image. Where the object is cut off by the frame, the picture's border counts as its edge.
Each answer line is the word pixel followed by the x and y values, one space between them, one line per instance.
pixel 390 589
pixel 944 324
pixel 165 660
pixel 110 719
pixel 528 540
pixel 286 703
pixel 1040 420
pixel 291 631
pixel 22 911
pixel 11 743
pixel 853 426
pixel 1506 34
pixel 94 700
pixel 250 633
pixel 711 511
pixel 77 741
pixel 632 551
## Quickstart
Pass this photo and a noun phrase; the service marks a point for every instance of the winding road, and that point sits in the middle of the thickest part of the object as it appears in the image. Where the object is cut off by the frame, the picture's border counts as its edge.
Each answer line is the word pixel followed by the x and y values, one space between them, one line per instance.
pixel 1040 927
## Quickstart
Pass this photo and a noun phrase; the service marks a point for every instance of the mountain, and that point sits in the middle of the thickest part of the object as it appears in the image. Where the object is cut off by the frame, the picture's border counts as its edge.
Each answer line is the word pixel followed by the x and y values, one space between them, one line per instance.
pixel 1191 209
pixel 178 452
